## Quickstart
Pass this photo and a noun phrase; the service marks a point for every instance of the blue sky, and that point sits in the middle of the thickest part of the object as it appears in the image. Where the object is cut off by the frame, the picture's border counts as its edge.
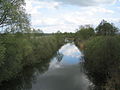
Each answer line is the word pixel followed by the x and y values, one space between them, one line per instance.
pixel 68 15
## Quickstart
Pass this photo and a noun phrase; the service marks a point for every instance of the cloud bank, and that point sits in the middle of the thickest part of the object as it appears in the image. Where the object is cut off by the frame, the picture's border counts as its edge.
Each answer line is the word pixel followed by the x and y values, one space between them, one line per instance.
pixel 67 16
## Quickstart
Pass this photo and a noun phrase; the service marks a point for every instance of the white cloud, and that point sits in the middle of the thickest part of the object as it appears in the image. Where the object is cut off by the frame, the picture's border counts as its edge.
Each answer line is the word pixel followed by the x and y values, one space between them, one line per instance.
pixel 101 10
pixel 49 5
pixel 86 16
pixel 67 21
pixel 62 28
pixel 37 4
pixel 37 18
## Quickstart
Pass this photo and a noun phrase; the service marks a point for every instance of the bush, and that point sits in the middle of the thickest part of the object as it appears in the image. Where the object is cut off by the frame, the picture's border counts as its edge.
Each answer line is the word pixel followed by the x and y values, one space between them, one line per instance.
pixel 102 56
pixel 18 51
pixel 12 58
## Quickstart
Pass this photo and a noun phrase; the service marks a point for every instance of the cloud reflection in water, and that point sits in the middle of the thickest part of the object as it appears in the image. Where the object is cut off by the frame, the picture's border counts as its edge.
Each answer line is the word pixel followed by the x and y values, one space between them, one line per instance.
pixel 69 54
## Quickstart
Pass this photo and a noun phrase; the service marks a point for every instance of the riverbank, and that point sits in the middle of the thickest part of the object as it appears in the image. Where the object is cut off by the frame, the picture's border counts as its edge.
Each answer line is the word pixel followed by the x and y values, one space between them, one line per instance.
pixel 102 61
pixel 18 51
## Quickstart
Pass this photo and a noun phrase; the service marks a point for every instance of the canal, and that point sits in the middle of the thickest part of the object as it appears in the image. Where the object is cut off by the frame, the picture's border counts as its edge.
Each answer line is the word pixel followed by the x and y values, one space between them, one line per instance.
pixel 62 72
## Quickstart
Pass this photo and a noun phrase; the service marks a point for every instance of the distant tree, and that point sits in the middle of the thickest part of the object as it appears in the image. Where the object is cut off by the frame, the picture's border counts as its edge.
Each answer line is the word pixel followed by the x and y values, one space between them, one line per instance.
pixel 40 31
pixel 58 32
pixel 106 28
pixel 37 32
pixel 85 32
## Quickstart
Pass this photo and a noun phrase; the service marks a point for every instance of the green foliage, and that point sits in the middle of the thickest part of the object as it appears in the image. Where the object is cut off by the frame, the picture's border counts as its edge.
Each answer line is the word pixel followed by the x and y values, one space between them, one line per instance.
pixel 106 28
pixel 13 47
pixel 18 51
pixel 13 57
pixel 2 52
pixel 18 47
pixel 60 38
pixel 12 16
pixel 85 32
pixel 102 57
pixel 43 48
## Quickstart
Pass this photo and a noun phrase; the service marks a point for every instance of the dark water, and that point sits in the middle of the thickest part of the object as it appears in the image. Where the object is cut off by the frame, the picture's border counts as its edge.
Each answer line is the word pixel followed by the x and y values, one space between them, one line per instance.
pixel 62 72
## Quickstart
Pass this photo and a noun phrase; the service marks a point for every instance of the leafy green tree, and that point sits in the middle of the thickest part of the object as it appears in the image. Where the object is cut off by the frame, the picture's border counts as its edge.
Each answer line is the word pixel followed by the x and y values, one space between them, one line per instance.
pixel 13 16
pixel 85 32
pixel 106 28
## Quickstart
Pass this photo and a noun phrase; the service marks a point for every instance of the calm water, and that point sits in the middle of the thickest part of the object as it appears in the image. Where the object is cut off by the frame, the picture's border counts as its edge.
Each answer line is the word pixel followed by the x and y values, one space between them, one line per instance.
pixel 62 72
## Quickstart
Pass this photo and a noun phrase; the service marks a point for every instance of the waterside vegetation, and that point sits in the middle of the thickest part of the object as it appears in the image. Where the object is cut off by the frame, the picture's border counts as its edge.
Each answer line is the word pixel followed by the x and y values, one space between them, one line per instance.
pixel 101 47
pixel 20 45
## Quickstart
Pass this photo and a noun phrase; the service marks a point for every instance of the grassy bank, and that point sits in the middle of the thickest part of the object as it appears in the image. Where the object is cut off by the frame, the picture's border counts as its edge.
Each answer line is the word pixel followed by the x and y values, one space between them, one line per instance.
pixel 18 51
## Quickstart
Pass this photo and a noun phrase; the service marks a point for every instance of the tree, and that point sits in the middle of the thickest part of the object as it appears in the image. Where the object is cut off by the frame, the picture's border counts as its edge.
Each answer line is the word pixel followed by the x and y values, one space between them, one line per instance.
pixel 13 16
pixel 85 32
pixel 106 28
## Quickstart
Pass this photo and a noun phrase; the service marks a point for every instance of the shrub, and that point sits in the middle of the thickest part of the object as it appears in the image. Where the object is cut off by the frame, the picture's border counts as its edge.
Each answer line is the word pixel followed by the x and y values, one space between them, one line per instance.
pixel 18 51
pixel 102 55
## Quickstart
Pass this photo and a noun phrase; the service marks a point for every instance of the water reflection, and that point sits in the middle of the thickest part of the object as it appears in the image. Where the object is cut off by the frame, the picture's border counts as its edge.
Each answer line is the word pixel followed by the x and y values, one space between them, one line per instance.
pixel 69 54
pixel 26 78
pixel 59 56
pixel 70 50
pixel 62 72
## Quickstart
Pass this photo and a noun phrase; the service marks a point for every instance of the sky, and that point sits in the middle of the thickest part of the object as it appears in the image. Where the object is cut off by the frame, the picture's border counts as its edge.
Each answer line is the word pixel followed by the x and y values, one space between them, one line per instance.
pixel 67 15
